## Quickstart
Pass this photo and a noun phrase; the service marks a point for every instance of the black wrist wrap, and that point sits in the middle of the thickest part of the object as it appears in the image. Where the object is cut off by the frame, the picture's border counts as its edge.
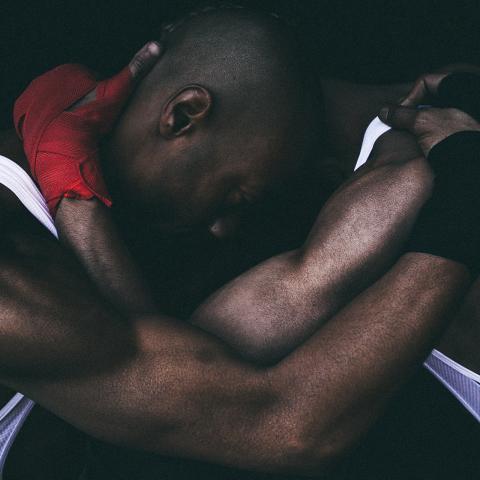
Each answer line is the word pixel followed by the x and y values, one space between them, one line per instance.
pixel 462 91
pixel 449 224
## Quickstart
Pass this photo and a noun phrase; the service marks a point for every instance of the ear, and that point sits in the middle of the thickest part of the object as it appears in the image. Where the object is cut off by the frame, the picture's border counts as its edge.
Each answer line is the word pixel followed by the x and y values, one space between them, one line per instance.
pixel 184 110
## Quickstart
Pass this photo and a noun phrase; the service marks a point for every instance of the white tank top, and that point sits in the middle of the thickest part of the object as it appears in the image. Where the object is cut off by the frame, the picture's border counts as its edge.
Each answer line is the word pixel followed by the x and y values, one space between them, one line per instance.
pixel 15 412
pixel 460 381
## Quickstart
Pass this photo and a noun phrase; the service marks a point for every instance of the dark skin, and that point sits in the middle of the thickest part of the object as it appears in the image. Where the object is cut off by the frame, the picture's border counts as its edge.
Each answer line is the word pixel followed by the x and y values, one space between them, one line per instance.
pixel 196 361
pixel 180 146
pixel 344 122
pixel 307 443
pixel 431 126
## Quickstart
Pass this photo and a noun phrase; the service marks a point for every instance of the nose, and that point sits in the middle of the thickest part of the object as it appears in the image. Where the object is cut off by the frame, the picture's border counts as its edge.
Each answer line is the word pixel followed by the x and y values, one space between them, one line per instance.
pixel 225 227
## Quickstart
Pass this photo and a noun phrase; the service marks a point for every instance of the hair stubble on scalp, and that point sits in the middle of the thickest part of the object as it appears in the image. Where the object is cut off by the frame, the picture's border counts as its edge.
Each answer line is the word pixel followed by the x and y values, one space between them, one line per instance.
pixel 255 68
pixel 252 63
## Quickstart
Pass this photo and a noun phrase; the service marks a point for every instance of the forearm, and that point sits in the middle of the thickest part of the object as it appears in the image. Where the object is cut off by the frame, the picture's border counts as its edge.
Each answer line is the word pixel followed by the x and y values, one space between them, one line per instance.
pixel 325 395
pixel 271 309
pixel 166 387
pixel 182 392
pixel 370 347
pixel 88 229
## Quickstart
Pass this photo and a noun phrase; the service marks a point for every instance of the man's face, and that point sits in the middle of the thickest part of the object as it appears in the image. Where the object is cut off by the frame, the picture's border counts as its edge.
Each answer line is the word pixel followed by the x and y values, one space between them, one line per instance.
pixel 208 181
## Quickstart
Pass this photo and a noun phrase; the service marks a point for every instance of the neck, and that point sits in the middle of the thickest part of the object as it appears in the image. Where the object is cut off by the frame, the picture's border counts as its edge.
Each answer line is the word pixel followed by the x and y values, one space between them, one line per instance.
pixel 349 108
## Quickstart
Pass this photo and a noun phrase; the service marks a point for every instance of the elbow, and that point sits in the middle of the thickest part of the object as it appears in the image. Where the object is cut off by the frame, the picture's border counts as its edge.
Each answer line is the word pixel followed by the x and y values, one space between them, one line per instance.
pixel 298 455
pixel 266 353
pixel 263 346
pixel 314 456
pixel 261 343
pixel 317 439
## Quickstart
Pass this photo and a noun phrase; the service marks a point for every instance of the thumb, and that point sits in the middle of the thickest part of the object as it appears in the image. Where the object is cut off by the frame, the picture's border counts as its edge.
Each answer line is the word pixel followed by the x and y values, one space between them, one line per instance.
pixel 424 90
pixel 119 87
pixel 401 118
pixel 111 94
pixel 144 59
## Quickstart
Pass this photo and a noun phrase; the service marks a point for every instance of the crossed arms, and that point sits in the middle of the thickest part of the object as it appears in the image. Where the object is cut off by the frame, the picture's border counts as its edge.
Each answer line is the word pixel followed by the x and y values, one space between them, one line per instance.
pixel 152 382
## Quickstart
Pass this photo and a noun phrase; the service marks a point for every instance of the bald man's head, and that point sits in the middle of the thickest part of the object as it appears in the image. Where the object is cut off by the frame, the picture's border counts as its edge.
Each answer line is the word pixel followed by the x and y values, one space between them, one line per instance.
pixel 225 116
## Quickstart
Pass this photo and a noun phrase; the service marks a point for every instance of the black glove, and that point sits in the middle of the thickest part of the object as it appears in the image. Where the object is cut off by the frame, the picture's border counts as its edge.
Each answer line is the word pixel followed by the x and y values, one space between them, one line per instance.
pixel 462 91
pixel 449 224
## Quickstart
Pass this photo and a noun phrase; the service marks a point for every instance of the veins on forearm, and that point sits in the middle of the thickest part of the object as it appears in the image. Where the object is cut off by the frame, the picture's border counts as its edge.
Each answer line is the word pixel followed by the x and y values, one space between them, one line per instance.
pixel 88 229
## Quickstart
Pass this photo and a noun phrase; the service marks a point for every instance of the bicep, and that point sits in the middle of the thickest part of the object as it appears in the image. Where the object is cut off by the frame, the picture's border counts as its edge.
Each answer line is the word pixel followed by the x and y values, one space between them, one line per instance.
pixel 146 382
pixel 153 383
pixel 268 311
pixel 180 393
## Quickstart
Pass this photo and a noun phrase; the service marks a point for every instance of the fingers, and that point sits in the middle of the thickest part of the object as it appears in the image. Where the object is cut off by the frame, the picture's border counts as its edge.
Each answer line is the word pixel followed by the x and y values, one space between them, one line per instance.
pixel 424 90
pixel 429 125
pixel 107 100
pixel 145 59
pixel 119 87
pixel 402 118
pixel 417 95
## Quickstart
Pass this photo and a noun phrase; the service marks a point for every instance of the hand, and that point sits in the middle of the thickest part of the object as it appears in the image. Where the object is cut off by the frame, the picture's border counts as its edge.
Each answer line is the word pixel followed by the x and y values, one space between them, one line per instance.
pixel 426 86
pixel 62 117
pixel 424 90
pixel 429 125
pixel 432 125
pixel 139 66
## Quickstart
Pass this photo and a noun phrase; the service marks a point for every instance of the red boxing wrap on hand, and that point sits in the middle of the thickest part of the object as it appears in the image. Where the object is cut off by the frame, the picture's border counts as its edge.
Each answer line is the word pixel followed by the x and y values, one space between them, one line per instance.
pixel 62 146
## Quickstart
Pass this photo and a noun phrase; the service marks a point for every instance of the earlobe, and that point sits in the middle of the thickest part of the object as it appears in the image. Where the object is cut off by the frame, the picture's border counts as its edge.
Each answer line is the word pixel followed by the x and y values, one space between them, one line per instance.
pixel 184 111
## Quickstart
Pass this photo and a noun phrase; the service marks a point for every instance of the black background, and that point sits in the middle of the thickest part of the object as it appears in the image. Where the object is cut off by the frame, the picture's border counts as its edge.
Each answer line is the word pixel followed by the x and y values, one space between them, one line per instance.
pixel 363 41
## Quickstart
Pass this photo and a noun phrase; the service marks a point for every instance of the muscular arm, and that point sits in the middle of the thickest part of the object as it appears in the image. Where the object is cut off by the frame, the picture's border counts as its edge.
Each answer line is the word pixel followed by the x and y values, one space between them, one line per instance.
pixel 268 311
pixel 175 390
pixel 88 229
pixel 169 388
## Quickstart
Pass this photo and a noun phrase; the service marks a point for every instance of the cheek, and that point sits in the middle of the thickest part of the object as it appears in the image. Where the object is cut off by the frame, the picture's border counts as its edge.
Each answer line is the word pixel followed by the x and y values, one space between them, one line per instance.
pixel 204 208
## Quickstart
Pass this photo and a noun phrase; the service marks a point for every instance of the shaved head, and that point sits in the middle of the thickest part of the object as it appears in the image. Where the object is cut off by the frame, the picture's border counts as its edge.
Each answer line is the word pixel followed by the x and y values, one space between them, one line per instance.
pixel 236 53
pixel 225 116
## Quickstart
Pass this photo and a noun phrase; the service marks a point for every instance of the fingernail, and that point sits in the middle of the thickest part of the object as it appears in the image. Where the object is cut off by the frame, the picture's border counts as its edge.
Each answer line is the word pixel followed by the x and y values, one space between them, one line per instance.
pixel 154 48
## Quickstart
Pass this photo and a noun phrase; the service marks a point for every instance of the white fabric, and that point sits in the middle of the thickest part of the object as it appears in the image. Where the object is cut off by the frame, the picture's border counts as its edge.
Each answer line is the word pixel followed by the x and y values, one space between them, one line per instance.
pixel 12 417
pixel 16 411
pixel 18 181
pixel 460 381
pixel 373 131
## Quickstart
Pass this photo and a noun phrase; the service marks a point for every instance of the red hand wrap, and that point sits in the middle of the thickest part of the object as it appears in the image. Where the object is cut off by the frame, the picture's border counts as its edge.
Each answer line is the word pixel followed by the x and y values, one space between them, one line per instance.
pixel 62 146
